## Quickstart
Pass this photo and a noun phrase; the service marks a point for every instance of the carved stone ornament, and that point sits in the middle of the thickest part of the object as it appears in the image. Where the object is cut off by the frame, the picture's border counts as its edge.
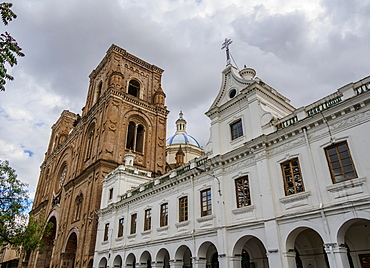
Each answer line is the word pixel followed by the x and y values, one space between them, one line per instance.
pixel 112 125
pixel 160 142
pixel 139 159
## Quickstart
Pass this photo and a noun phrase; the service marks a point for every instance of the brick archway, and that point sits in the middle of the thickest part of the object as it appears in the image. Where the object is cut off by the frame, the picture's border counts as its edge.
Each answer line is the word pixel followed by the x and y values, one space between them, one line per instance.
pixel 69 255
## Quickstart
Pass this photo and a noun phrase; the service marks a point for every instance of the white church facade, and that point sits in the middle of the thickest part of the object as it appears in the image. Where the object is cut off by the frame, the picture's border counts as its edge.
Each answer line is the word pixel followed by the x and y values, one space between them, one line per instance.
pixel 277 187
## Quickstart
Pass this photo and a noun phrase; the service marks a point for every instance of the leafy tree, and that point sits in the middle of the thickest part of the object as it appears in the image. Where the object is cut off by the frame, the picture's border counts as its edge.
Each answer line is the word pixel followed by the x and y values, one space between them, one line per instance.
pixel 16 229
pixel 9 48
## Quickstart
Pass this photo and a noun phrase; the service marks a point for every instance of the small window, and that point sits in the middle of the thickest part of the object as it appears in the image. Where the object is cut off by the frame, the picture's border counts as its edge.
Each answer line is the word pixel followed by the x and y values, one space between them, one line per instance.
pixel 183 209
pixel 340 162
pixel 89 144
pixel 78 207
pixel 133 223
pixel 243 196
pixel 121 224
pixel 98 91
pixel 206 202
pixel 236 129
pixel 164 215
pixel 148 220
pixel 232 93
pixel 110 193
pixel 293 181
pixel 106 231
pixel 134 88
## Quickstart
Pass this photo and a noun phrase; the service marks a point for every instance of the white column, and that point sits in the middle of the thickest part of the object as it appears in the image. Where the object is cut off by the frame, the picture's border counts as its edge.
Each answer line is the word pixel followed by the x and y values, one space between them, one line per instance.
pixel 235 262
pixel 157 265
pixel 176 264
pixel 337 255
pixel 199 263
pixel 272 244
pixel 223 261
pixel 289 259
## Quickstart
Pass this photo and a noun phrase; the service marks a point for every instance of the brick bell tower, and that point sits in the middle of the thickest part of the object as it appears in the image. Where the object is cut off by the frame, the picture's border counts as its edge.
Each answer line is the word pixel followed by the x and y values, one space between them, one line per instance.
pixel 126 93
pixel 125 111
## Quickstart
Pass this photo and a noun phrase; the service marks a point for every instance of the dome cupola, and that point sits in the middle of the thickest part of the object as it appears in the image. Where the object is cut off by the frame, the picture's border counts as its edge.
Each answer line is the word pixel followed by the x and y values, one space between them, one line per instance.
pixel 181 147
pixel 181 136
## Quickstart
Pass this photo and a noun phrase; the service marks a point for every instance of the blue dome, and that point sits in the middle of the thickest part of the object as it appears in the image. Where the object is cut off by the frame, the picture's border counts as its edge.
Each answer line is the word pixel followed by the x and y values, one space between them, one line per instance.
pixel 182 138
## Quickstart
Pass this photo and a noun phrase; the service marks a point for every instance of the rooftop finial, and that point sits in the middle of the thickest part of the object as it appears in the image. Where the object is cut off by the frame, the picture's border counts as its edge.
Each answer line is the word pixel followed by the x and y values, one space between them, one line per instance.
pixel 226 45
pixel 181 124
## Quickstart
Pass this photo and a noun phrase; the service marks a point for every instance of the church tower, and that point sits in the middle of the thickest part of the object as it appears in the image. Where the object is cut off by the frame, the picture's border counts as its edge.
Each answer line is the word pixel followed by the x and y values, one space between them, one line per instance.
pixel 124 112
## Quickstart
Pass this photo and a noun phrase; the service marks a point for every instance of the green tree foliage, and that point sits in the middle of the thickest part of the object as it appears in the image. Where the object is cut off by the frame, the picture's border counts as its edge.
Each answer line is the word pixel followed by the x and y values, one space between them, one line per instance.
pixel 9 48
pixel 16 229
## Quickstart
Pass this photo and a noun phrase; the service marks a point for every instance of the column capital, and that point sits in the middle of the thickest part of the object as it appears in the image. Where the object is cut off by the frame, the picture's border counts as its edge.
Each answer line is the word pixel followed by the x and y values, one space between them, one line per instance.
pixel 289 254
pixel 335 248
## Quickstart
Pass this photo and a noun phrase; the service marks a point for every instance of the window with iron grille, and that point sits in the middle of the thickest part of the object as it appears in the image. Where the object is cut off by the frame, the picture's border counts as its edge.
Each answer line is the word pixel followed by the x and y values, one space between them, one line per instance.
pixel 148 220
pixel 243 196
pixel 106 231
pixel 236 129
pixel 164 215
pixel 121 224
pixel 133 223
pixel 183 209
pixel 206 202
pixel 293 181
pixel 340 162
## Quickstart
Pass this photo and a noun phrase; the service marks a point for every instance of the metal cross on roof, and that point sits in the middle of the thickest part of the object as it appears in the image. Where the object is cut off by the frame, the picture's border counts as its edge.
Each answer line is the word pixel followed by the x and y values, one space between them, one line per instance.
pixel 226 45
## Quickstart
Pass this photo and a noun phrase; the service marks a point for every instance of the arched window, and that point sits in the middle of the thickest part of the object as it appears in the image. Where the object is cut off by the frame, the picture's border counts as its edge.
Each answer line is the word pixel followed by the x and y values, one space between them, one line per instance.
pixel 90 141
pixel 63 175
pixel 98 90
pixel 135 137
pixel 45 187
pixel 139 138
pixel 134 88
pixel 78 207
pixel 55 143
pixel 130 136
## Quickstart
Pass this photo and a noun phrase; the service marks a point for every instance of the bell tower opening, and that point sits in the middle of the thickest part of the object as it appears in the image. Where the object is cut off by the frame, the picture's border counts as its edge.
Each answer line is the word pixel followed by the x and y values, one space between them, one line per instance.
pixel 134 88
pixel 135 137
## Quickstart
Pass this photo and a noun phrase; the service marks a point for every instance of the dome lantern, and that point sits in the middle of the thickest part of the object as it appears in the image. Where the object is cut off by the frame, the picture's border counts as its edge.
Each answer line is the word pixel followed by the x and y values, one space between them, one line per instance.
pixel 180 124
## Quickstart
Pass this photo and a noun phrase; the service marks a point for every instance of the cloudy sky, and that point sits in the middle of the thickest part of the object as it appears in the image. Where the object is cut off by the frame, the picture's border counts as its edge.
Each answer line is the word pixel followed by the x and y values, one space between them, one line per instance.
pixel 305 49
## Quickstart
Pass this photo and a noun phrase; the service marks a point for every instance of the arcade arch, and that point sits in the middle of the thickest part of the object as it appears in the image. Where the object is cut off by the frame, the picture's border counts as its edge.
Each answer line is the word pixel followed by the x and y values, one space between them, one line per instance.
pixel 117 263
pixel 103 263
pixel 354 235
pixel 208 252
pixel 183 254
pixel 146 260
pixel 131 260
pixel 163 257
pixel 307 249
pixel 249 251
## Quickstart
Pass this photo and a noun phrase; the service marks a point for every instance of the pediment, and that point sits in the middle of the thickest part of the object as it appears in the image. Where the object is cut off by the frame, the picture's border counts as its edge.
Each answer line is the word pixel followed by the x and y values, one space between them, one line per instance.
pixel 231 81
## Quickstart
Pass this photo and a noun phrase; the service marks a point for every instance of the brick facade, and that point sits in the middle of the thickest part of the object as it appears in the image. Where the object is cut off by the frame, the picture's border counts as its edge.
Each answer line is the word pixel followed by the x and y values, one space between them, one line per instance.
pixel 124 111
